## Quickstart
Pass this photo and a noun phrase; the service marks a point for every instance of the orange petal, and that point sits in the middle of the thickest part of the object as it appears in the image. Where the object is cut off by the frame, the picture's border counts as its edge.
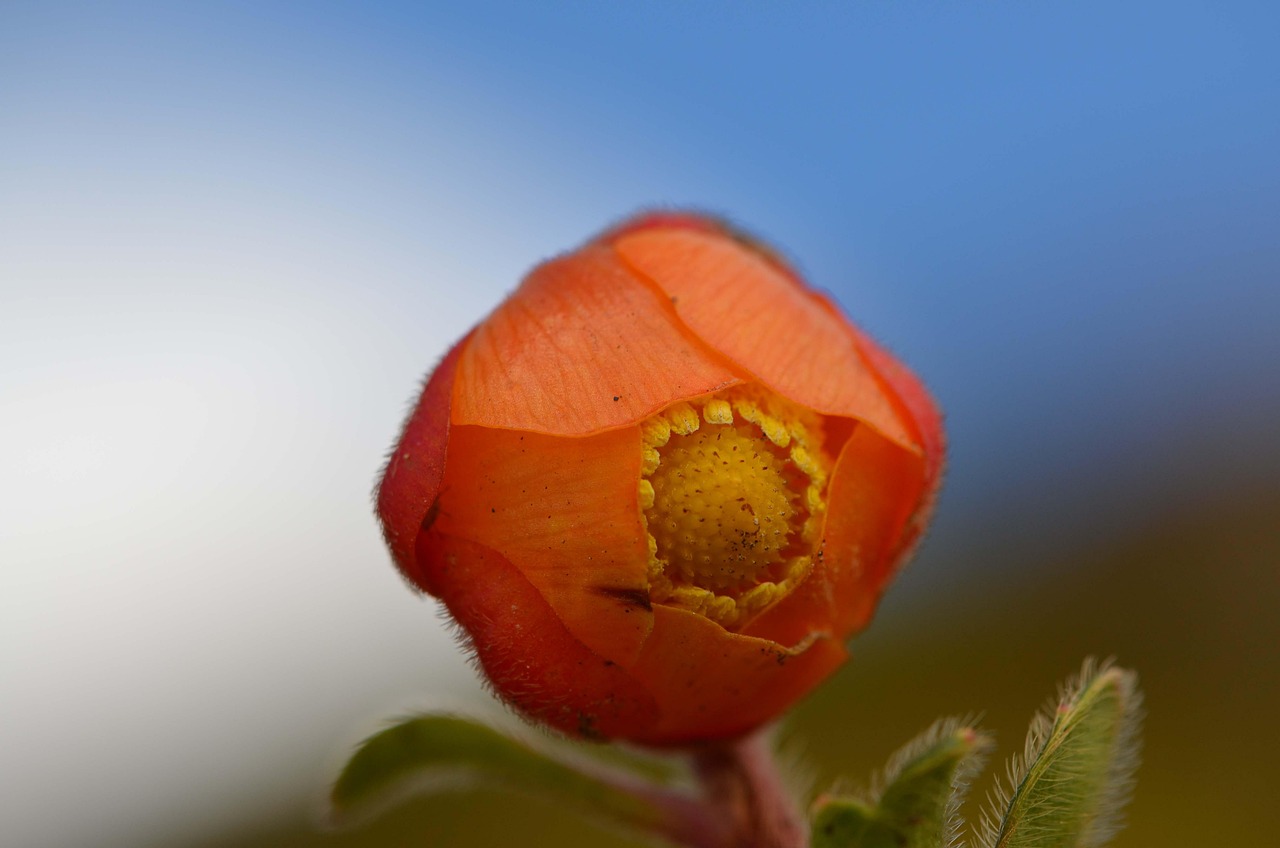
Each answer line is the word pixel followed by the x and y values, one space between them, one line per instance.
pixel 809 609
pixel 712 684
pixel 565 512
pixel 525 650
pixel 704 223
pixel 411 481
pixel 875 489
pixel 915 399
pixel 662 219
pixel 740 304
pixel 580 347
pixel 928 419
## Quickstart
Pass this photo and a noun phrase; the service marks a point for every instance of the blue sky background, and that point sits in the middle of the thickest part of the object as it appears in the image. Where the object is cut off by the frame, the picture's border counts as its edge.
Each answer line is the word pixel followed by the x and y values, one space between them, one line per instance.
pixel 233 237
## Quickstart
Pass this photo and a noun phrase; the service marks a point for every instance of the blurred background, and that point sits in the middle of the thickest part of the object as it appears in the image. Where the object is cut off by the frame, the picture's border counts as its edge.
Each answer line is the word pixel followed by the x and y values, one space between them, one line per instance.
pixel 234 236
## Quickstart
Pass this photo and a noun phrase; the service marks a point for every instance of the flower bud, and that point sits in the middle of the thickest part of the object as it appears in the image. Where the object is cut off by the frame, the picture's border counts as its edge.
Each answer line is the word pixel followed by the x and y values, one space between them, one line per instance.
pixel 661 485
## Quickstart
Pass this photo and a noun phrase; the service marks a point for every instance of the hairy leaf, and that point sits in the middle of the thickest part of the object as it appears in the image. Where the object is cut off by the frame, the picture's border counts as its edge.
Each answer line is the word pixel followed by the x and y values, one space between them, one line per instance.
pixel 847 823
pixel 435 753
pixel 1076 774
pixel 917 799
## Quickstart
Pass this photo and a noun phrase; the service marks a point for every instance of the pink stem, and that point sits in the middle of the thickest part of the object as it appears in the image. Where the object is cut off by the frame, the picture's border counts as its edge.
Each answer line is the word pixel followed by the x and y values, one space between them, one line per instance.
pixel 741 782
pixel 743 803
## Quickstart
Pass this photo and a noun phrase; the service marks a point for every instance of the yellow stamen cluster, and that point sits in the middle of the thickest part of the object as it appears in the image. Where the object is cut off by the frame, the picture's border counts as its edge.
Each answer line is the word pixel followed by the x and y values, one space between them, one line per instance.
pixel 733 491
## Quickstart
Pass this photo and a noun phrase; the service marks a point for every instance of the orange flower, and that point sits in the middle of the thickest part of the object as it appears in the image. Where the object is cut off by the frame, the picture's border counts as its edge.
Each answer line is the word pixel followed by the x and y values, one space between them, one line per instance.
pixel 661 485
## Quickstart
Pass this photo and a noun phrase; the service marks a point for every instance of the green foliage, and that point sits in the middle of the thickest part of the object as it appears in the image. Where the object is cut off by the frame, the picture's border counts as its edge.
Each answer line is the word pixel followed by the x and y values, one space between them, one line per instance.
pixel 435 753
pixel 1069 787
pixel 918 799
pixel 846 823
pixel 1066 790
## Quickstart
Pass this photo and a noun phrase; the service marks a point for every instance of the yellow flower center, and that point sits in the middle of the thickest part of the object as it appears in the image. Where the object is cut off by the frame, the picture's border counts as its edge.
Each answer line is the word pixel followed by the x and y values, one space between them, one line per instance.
pixel 733 489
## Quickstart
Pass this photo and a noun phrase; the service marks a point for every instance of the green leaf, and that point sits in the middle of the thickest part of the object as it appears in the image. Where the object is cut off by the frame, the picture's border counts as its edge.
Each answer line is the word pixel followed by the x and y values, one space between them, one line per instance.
pixel 648 766
pixel 435 753
pixel 916 806
pixel 1076 774
pixel 845 823
pixel 927 780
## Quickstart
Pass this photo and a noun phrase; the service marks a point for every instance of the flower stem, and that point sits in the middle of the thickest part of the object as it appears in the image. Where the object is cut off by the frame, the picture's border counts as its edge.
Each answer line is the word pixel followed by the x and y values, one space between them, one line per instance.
pixel 742 788
pixel 742 802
